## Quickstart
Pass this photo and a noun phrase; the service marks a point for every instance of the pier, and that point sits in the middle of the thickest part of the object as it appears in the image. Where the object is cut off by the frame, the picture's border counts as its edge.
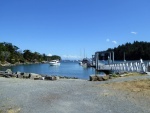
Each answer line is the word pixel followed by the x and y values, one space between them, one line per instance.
pixel 124 66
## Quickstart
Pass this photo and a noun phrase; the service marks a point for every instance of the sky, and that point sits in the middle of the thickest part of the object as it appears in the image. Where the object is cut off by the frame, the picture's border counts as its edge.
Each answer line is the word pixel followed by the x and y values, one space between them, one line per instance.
pixel 73 29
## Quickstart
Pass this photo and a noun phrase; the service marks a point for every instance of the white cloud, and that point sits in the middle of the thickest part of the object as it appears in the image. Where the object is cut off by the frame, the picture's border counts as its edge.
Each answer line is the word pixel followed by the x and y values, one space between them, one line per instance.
pixel 134 32
pixel 70 57
pixel 114 42
pixel 107 40
pixel 49 54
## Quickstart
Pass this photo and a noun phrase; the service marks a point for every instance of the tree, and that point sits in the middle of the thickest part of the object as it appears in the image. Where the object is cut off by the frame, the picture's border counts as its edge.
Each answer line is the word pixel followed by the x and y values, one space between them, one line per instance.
pixel 12 54
pixel 55 57
pixel 133 51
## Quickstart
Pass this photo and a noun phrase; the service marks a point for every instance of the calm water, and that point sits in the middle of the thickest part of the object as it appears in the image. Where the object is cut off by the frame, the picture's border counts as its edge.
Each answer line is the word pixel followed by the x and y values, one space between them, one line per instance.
pixel 70 69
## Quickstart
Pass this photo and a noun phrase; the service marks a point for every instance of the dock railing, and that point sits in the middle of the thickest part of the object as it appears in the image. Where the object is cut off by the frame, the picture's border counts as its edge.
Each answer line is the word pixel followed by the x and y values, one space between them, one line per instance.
pixel 127 66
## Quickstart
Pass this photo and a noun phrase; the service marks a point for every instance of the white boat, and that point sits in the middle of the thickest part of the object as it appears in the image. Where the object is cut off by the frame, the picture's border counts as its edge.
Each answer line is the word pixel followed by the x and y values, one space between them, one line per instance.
pixel 54 62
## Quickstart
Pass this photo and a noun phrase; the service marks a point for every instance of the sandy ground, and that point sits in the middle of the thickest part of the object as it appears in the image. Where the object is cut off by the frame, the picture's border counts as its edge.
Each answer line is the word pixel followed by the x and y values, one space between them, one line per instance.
pixel 119 95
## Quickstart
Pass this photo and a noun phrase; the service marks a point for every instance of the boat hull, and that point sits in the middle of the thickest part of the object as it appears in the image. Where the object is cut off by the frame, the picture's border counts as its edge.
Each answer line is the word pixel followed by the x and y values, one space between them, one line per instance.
pixel 54 64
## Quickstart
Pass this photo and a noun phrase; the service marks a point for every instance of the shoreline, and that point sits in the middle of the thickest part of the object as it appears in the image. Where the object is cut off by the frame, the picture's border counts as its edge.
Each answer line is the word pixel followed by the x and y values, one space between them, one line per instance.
pixel 33 76
pixel 9 64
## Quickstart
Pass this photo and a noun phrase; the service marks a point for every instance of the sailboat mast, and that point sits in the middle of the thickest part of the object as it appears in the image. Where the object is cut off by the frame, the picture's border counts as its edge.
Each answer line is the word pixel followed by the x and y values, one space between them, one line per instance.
pixel 84 53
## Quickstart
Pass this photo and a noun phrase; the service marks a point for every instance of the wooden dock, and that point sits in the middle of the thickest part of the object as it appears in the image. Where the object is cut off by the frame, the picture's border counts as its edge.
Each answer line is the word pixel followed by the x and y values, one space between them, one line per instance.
pixel 134 66
pixel 126 66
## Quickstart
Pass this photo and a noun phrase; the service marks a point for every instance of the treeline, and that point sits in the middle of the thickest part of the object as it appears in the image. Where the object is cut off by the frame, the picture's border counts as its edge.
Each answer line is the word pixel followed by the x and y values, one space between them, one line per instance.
pixel 132 51
pixel 12 54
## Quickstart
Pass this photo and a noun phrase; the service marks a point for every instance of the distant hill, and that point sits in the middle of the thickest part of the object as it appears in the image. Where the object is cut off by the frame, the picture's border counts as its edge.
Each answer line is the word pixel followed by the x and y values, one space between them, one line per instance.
pixel 132 51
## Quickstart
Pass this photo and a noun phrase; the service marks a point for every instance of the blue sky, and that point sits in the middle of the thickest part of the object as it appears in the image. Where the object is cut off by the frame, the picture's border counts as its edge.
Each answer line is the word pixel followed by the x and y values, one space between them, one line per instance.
pixel 70 27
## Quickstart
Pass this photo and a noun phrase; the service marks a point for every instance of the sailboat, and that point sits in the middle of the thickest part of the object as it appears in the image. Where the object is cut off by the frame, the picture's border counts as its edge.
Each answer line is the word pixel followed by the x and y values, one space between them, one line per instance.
pixel 85 62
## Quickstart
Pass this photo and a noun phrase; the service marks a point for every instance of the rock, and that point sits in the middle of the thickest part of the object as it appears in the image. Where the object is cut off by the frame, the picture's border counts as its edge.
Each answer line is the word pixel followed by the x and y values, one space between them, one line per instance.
pixel 75 77
pixel 105 77
pixel 9 71
pixel 61 77
pixel 99 77
pixel 18 72
pixel 22 75
pixel 26 75
pixel 57 77
pixel 35 76
pixel 19 76
pixel 54 78
pixel 42 78
pixel 93 78
pixel 122 75
pixel 48 78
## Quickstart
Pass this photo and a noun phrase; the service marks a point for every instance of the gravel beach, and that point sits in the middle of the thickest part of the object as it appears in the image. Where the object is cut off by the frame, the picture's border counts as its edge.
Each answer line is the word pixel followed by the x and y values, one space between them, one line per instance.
pixel 68 96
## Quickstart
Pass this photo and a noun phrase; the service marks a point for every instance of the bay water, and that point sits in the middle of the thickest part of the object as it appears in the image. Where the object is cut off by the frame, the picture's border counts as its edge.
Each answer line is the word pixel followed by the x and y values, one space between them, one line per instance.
pixel 69 69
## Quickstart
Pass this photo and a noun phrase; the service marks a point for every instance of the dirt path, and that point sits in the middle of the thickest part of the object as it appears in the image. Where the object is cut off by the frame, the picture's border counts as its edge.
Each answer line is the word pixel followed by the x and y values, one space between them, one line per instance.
pixel 75 96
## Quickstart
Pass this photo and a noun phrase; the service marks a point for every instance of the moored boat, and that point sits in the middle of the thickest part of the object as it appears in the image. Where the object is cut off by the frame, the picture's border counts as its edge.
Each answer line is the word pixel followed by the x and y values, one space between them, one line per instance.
pixel 85 62
pixel 54 62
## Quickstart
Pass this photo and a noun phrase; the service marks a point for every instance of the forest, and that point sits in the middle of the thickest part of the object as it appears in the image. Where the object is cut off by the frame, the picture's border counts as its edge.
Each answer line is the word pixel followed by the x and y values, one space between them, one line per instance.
pixel 132 51
pixel 13 54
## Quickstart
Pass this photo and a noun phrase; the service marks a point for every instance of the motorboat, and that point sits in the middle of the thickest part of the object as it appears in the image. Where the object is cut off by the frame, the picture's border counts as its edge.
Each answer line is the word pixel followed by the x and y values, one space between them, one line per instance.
pixel 54 62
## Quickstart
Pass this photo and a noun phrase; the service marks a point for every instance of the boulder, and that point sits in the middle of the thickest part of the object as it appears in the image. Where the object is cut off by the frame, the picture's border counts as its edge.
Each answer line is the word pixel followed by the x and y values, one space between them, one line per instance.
pixel 19 75
pixel 93 78
pixel 9 71
pixel 51 78
pixel 48 78
pixel 105 77
pixel 57 77
pixel 26 75
pixel 22 75
pixel 35 76
pixel 99 77
pixel 123 75
pixel 18 72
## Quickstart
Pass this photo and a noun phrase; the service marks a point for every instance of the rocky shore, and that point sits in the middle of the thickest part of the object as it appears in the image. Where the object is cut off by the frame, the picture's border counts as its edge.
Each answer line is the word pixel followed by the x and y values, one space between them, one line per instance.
pixel 7 64
pixel 33 76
